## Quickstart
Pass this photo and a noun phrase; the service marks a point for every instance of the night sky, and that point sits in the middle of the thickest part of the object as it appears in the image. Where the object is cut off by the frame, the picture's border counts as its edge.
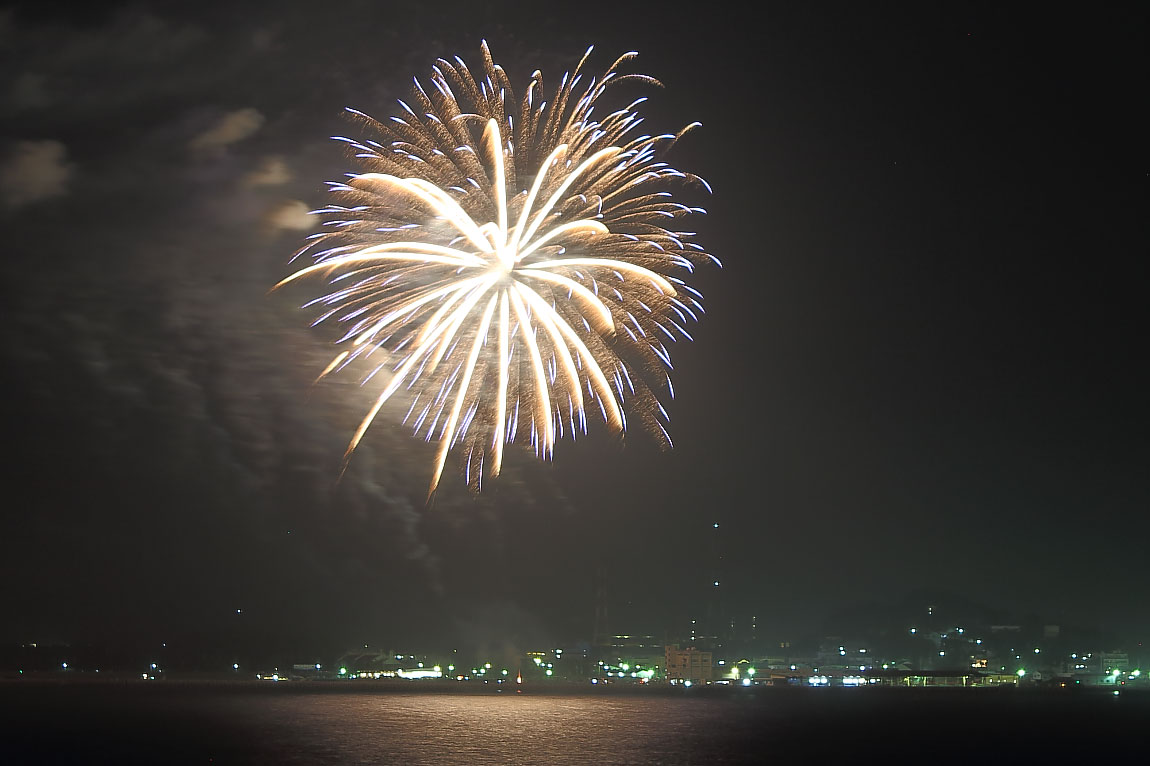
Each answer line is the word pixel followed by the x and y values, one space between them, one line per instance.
pixel 920 368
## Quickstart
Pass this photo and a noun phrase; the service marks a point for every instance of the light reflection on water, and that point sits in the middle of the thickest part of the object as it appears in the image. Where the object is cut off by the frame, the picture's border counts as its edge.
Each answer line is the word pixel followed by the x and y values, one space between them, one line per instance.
pixel 175 724
pixel 480 730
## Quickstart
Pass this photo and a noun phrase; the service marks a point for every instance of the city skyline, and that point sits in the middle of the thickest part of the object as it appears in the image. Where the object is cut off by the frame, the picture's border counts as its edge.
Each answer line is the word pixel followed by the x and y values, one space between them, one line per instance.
pixel 947 638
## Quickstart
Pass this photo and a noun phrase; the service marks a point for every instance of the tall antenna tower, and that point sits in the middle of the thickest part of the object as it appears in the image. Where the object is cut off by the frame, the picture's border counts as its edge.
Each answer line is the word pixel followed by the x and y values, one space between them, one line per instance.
pixel 715 624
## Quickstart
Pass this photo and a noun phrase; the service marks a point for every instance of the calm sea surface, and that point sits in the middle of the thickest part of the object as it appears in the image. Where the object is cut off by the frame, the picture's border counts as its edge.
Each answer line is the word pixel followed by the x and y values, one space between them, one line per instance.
pixel 247 724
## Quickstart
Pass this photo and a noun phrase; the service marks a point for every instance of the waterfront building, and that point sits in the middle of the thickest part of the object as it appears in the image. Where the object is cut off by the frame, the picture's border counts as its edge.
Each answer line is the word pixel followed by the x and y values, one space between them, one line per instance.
pixel 690 664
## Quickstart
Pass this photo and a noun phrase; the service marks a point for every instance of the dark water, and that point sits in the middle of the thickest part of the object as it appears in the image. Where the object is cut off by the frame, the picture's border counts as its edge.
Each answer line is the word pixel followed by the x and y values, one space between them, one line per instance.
pixel 284 724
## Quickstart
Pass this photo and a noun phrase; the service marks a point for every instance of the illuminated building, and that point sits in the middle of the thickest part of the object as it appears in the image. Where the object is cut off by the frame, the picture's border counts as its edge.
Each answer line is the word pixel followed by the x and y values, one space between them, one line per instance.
pixel 1114 660
pixel 636 651
pixel 690 664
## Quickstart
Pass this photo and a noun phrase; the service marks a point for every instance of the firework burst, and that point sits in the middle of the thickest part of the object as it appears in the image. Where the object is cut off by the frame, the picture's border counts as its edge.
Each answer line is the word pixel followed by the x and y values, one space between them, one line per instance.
pixel 510 263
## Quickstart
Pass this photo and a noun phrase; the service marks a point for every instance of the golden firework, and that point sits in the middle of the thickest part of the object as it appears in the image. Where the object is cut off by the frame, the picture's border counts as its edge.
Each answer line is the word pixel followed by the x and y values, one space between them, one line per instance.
pixel 510 263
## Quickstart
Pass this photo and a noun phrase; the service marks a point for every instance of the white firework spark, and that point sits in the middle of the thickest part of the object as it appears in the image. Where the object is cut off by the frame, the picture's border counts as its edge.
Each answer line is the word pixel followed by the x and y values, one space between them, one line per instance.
pixel 517 262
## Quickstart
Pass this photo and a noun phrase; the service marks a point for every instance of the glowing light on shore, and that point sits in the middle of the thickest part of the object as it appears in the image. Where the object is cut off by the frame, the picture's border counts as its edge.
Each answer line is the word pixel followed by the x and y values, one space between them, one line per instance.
pixel 506 264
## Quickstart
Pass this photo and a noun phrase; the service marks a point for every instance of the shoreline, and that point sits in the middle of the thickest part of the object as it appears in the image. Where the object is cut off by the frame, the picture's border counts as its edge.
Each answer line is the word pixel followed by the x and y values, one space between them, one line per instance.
pixel 193 685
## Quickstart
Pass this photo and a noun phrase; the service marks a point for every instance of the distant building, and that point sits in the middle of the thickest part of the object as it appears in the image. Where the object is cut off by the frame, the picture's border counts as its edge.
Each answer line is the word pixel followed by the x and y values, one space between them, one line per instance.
pixel 631 643
pixel 637 652
pixel 690 664
pixel 1115 660
pixel 836 652
pixel 373 662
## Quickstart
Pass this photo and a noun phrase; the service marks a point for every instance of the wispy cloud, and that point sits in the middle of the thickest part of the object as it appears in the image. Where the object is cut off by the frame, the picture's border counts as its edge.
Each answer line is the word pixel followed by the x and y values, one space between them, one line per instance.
pixel 291 214
pixel 34 171
pixel 232 128
pixel 272 171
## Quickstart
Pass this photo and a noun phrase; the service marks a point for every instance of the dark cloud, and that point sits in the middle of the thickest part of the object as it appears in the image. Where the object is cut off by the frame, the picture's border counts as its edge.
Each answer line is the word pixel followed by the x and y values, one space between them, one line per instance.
pixel 29 91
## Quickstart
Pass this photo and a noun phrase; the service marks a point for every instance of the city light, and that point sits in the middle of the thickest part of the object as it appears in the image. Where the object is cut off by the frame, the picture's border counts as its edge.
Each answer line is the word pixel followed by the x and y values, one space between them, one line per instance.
pixel 1111 670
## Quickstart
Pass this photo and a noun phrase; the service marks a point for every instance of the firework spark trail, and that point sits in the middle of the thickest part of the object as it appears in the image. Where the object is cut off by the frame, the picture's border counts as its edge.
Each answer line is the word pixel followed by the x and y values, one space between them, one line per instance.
pixel 514 260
